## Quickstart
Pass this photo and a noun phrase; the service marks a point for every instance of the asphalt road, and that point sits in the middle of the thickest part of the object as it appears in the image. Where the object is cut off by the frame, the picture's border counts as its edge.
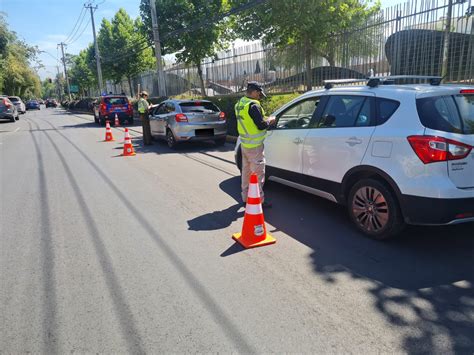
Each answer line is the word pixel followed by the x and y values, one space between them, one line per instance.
pixel 106 254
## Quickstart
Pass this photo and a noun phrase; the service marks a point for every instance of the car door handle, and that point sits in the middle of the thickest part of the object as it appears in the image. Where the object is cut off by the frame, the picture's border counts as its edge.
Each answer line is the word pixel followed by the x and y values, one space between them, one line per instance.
pixel 353 141
pixel 297 140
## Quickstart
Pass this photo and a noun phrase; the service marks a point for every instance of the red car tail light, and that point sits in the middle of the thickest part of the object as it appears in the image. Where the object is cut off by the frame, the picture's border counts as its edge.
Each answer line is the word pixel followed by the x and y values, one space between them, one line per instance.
pixel 467 91
pixel 221 116
pixel 431 149
pixel 103 107
pixel 6 103
pixel 181 117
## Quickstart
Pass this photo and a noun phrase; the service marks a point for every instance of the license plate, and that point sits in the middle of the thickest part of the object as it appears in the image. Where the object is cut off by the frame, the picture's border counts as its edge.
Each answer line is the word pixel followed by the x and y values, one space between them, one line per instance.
pixel 205 132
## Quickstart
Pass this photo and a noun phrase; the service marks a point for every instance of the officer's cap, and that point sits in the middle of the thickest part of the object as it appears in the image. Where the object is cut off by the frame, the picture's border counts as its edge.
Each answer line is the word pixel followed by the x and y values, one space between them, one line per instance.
pixel 253 85
pixel 143 93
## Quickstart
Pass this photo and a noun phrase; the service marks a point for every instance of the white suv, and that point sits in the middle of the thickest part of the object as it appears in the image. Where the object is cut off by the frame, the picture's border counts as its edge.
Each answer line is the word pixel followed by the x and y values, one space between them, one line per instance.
pixel 394 154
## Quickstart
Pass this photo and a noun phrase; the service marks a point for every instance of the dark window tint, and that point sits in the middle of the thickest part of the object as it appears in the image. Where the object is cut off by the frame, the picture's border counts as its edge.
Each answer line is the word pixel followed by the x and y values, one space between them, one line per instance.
pixel 465 105
pixel 385 109
pixel 198 106
pixel 14 99
pixel 160 110
pixel 116 100
pixel 439 113
pixel 346 111
pixel 170 107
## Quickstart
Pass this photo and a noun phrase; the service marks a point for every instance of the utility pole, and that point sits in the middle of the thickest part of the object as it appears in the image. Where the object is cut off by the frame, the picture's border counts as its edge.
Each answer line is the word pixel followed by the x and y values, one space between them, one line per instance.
pixel 97 54
pixel 58 86
pixel 156 37
pixel 65 71
pixel 446 41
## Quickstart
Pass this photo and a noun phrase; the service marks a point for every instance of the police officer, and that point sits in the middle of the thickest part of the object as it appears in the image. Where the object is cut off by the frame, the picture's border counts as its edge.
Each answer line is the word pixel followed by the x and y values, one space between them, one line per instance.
pixel 252 126
pixel 143 107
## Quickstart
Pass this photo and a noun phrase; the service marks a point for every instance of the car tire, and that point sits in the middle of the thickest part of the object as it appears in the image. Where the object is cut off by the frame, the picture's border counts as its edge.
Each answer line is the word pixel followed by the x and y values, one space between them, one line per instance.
pixel 130 121
pixel 239 159
pixel 170 139
pixel 101 120
pixel 220 142
pixel 380 220
pixel 13 119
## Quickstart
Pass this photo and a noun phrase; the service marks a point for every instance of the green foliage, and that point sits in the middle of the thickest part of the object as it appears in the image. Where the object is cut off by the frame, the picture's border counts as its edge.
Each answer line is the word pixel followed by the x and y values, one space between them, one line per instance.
pixel 118 39
pixel 310 26
pixel 191 47
pixel 16 75
pixel 82 70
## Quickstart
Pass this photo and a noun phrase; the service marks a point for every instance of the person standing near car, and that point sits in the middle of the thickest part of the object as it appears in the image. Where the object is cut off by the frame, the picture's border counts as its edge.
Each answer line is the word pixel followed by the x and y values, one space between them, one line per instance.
pixel 143 107
pixel 252 127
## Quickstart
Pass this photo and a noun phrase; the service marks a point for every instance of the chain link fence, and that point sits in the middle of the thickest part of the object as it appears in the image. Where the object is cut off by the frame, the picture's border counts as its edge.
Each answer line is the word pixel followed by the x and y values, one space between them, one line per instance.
pixel 419 37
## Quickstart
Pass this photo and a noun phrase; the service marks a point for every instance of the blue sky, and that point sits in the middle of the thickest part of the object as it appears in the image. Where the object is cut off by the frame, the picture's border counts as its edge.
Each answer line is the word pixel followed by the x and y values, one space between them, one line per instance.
pixel 47 23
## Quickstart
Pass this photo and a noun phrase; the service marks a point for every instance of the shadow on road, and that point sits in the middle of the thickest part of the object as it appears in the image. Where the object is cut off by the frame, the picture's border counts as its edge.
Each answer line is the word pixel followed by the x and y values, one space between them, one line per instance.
pixel 423 280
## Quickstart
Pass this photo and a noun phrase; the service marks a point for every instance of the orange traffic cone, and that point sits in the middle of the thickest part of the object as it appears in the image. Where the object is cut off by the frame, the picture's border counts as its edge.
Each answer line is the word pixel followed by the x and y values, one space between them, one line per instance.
pixel 117 122
pixel 254 233
pixel 127 146
pixel 108 133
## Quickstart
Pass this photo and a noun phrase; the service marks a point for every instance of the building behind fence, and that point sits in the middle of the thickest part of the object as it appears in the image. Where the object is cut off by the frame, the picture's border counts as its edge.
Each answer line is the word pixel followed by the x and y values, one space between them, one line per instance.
pixel 427 37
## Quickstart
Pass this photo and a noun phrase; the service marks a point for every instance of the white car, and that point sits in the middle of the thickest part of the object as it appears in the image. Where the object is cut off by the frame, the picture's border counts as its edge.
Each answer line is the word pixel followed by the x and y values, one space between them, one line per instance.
pixel 20 105
pixel 393 154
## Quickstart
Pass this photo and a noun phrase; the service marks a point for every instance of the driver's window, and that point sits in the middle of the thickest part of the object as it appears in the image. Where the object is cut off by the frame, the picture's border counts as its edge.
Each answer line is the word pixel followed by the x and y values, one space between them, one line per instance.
pixel 299 115
pixel 160 110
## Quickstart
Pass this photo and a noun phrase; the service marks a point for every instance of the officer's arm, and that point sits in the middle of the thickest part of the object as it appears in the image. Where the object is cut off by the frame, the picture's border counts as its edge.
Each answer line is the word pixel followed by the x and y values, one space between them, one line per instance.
pixel 257 117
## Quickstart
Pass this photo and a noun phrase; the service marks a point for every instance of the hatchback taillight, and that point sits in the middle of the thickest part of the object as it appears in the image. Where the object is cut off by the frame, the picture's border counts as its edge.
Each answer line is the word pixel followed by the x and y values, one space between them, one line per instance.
pixel 6 103
pixel 103 107
pixel 221 116
pixel 181 117
pixel 431 149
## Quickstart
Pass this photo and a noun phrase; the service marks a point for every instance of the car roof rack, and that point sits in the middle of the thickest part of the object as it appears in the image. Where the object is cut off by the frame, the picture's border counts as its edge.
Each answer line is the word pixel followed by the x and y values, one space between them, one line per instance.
pixel 384 80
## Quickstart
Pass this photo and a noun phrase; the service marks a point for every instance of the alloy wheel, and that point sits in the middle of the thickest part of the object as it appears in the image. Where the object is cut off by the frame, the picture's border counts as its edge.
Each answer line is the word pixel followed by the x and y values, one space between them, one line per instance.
pixel 370 209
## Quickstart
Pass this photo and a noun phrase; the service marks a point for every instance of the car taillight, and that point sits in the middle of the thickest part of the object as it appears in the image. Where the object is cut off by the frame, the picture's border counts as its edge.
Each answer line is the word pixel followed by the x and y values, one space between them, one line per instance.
pixel 221 116
pixel 467 91
pixel 181 117
pixel 103 107
pixel 431 149
pixel 6 103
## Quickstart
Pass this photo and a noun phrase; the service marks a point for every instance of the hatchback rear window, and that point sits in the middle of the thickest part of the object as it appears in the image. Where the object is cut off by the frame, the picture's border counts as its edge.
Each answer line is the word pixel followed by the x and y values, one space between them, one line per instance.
pixel 198 106
pixel 116 100
pixel 454 114
pixel 14 99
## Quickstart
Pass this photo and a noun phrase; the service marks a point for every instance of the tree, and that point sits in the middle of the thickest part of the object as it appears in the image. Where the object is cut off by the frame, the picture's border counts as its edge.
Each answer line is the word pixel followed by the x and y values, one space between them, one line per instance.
pixel 16 75
pixel 81 71
pixel 200 37
pixel 308 25
pixel 122 45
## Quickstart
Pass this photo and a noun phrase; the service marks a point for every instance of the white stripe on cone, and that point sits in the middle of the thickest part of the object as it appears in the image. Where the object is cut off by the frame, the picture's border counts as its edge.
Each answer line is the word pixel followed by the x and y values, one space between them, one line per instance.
pixel 253 209
pixel 254 191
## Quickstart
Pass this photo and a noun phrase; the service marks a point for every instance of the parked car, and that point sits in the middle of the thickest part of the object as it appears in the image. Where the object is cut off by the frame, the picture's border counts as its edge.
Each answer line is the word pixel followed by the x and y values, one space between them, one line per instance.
pixel 33 105
pixel 20 105
pixel 8 110
pixel 393 154
pixel 51 103
pixel 110 105
pixel 188 120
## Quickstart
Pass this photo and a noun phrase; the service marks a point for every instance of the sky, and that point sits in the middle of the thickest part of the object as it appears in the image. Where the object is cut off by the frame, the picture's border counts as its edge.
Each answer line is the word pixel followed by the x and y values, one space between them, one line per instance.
pixel 47 23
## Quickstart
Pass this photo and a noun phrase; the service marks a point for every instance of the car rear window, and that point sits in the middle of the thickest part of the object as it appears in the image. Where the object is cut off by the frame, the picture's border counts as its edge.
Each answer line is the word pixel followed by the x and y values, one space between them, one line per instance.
pixel 454 114
pixel 385 109
pixel 198 106
pixel 14 99
pixel 115 100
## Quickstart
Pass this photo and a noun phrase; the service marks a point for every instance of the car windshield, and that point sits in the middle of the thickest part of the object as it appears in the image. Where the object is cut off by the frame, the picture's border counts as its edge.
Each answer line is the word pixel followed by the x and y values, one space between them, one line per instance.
pixel 115 100
pixel 465 105
pixel 198 106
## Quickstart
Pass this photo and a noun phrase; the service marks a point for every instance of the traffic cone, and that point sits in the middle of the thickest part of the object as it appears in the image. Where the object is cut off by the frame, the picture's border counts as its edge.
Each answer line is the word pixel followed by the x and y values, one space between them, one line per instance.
pixel 254 233
pixel 108 133
pixel 127 146
pixel 117 122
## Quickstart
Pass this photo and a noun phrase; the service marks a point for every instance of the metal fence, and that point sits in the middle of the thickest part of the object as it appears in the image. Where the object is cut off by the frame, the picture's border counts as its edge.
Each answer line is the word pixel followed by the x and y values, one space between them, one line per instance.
pixel 419 37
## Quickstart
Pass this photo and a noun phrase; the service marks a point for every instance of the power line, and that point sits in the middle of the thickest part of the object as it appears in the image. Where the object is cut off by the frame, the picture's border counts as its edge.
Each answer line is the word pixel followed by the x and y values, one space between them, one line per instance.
pixel 76 27
pixel 72 40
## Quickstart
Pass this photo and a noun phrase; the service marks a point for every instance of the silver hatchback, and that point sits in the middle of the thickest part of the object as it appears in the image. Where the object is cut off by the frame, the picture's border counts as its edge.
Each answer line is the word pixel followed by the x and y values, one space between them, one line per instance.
pixel 188 120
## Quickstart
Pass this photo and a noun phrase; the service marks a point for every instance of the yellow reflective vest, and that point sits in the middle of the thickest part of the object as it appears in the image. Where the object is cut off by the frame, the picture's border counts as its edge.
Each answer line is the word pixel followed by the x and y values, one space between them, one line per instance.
pixel 142 105
pixel 250 135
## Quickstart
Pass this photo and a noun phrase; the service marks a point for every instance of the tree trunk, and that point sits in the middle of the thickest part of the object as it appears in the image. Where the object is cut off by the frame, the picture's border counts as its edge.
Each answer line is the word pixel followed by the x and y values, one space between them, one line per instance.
pixel 309 74
pixel 130 86
pixel 201 80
